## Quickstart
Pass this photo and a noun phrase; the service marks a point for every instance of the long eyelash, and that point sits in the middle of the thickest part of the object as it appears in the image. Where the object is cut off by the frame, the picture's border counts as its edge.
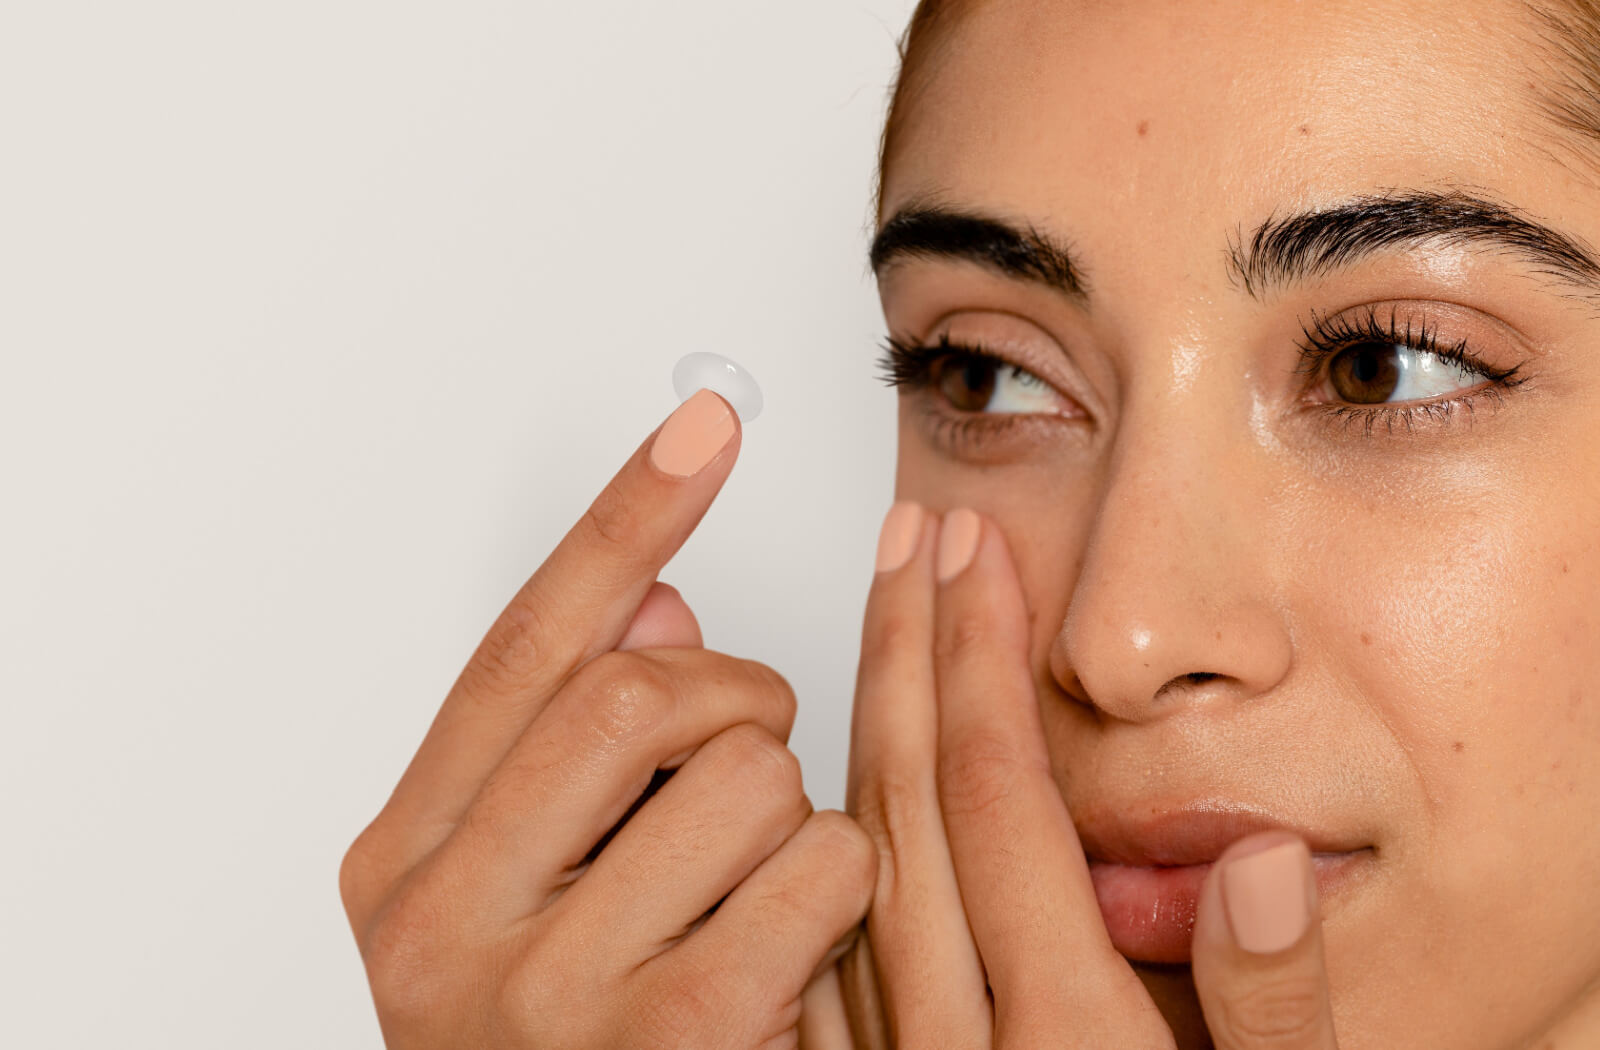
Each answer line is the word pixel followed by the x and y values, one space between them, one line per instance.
pixel 1326 337
pixel 908 365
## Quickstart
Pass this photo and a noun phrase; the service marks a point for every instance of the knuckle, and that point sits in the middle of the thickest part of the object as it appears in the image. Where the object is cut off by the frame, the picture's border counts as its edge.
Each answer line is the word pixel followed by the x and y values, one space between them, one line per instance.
pixel 355 873
pixel 976 772
pixel 626 697
pixel 680 1012
pixel 965 633
pixel 536 998
pixel 889 807
pixel 613 520
pixel 1277 1013
pixel 886 801
pixel 363 873
pixel 763 761
pixel 894 632
pixel 406 957
pixel 516 647
pixel 846 852
pixel 788 704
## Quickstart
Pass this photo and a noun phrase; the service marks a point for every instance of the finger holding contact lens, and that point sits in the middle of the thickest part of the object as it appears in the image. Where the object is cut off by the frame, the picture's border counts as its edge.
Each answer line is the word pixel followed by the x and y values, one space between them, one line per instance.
pixel 703 369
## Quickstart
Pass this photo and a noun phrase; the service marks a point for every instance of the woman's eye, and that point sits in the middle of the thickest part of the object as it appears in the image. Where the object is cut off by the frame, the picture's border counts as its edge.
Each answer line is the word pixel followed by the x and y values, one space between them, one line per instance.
pixel 985 384
pixel 1376 373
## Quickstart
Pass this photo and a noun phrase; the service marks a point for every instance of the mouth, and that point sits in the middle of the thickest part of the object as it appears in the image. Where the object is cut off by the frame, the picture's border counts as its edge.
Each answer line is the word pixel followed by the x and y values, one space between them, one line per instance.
pixel 1149 911
pixel 1147 873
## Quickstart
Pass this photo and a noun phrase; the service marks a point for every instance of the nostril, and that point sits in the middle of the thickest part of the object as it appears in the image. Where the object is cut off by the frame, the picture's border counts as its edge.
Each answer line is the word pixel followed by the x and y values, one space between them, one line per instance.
pixel 1176 684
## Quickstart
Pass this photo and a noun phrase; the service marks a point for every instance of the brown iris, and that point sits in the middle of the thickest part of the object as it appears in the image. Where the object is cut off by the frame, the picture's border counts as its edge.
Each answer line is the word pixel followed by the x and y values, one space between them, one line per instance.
pixel 968 382
pixel 1365 374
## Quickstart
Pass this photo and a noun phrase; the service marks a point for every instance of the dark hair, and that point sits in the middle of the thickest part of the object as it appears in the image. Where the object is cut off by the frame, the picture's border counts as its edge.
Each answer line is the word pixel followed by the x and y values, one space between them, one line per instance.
pixel 1564 61
pixel 1567 87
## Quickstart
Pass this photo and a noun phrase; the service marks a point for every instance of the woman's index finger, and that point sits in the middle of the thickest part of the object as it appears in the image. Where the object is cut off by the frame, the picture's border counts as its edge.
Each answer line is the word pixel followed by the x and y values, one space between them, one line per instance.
pixel 579 602
pixel 576 605
pixel 1021 868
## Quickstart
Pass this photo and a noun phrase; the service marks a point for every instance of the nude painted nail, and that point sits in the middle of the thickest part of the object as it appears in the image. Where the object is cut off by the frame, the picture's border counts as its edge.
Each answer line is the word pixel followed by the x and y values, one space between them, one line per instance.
pixel 1266 897
pixel 902 526
pixel 958 542
pixel 693 435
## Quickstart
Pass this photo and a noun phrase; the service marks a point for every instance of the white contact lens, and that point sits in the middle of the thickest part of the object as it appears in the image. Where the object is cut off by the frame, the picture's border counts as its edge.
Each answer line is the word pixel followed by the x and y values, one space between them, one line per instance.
pixel 720 375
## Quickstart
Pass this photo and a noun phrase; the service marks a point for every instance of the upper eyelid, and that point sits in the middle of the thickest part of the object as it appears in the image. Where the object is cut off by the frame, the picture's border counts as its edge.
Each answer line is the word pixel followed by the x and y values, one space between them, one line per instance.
pixel 1424 337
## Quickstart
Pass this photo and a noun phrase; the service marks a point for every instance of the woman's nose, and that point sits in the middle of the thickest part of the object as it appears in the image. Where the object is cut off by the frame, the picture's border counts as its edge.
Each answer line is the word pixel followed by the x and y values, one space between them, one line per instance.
pixel 1178 598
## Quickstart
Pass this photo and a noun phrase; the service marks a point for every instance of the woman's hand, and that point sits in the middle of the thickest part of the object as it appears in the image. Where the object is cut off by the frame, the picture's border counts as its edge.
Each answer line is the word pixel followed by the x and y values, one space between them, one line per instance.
pixel 514 893
pixel 984 930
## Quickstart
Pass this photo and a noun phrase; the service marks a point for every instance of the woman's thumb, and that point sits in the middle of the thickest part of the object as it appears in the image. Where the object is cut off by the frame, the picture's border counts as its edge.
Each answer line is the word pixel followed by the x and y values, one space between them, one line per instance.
pixel 1257 955
pixel 663 620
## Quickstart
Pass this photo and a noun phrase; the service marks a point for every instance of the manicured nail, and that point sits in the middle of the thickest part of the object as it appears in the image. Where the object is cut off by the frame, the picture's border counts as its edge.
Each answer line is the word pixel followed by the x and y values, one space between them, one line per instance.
pixel 693 435
pixel 958 541
pixel 898 539
pixel 1265 894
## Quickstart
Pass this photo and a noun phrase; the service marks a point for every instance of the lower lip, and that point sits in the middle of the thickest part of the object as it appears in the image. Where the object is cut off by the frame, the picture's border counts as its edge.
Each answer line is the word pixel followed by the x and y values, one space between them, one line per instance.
pixel 1149 912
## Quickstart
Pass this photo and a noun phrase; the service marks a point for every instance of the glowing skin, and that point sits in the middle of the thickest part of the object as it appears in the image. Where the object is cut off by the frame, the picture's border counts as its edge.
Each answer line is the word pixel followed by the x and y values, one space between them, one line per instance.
pixel 721 374
pixel 1395 631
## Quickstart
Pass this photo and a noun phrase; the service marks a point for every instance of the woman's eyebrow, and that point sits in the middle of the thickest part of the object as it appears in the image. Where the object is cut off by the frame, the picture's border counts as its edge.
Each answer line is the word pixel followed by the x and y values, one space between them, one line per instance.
pixel 1282 252
pixel 1276 255
pixel 927 230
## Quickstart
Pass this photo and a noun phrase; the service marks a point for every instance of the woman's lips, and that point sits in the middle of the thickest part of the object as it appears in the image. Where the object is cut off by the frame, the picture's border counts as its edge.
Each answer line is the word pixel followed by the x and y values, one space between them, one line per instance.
pixel 1149 911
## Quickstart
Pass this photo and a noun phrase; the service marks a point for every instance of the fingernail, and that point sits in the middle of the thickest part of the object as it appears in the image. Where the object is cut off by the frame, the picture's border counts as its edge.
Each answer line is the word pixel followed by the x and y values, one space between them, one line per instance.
pixel 958 542
pixel 693 435
pixel 898 539
pixel 1265 894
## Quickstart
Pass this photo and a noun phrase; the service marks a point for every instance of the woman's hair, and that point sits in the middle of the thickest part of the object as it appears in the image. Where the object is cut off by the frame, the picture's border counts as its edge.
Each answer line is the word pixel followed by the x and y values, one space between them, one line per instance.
pixel 1564 55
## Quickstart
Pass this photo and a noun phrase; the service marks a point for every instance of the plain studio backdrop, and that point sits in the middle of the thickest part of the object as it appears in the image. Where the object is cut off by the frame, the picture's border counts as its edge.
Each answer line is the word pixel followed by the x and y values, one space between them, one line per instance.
pixel 322 322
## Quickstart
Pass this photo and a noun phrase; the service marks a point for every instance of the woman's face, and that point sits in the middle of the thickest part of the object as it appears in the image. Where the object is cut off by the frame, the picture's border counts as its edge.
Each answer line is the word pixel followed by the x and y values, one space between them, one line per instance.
pixel 1389 617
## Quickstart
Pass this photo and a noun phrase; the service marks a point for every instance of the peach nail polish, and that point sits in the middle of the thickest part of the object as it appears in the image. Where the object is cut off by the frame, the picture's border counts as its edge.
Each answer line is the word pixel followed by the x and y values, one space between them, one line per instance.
pixel 898 539
pixel 693 435
pixel 958 542
pixel 1265 895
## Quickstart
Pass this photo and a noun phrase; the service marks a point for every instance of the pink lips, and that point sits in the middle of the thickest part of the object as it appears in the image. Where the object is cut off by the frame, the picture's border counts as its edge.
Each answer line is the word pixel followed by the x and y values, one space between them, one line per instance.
pixel 1149 911
pixel 1147 872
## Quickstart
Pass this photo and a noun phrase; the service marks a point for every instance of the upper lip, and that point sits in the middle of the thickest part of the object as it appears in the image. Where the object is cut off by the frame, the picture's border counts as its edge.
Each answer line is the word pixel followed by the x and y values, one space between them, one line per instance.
pixel 1191 833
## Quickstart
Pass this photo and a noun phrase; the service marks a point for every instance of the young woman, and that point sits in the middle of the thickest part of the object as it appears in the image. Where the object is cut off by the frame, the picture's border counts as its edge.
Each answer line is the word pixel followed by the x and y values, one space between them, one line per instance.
pixel 1227 676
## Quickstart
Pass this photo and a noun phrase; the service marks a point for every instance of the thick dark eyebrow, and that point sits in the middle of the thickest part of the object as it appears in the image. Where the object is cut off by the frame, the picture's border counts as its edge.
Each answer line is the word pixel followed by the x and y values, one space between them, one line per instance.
pixel 1277 254
pixel 1016 251
pixel 1282 252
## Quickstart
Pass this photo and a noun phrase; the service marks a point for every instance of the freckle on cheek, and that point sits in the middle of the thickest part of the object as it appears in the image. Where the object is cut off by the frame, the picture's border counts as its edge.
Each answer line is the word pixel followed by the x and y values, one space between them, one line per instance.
pixel 1144 128
pixel 1366 639
pixel 1458 746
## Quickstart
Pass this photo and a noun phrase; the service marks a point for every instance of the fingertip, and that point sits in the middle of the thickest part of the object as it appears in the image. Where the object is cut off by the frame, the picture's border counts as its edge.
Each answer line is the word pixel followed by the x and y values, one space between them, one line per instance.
pixel 1258 960
pixel 698 432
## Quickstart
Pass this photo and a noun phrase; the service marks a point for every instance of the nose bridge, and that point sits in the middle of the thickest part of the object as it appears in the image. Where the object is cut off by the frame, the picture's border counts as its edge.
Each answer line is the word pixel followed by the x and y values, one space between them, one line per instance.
pixel 1174 600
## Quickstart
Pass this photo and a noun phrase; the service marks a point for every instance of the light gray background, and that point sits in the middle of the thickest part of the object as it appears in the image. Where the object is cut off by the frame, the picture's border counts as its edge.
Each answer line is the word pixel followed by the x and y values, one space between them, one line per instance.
pixel 322 321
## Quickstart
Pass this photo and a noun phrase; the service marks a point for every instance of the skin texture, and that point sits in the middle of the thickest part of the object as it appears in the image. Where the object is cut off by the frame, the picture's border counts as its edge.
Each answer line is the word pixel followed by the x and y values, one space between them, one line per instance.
pixel 1400 625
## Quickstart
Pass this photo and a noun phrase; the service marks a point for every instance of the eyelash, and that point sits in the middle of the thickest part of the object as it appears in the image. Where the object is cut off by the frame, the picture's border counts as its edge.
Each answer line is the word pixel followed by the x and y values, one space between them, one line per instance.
pixel 1325 338
pixel 910 366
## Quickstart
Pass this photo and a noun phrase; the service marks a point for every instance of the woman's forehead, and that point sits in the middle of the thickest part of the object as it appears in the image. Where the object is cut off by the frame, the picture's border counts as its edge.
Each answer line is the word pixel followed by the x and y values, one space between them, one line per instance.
pixel 1200 113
